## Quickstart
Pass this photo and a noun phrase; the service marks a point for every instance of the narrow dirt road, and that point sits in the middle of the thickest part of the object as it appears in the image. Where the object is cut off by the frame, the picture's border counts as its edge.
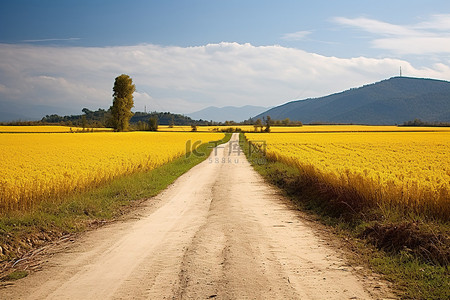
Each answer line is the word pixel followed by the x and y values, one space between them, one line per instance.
pixel 218 232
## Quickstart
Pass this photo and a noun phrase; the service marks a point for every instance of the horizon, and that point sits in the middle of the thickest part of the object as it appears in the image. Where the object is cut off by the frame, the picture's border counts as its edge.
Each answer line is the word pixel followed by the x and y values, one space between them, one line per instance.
pixel 185 57
pixel 247 105
pixel 293 100
pixel 241 117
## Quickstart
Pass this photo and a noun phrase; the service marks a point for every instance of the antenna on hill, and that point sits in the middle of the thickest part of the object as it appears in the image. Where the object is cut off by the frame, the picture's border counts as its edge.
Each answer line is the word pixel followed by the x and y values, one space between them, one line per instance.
pixel 400 71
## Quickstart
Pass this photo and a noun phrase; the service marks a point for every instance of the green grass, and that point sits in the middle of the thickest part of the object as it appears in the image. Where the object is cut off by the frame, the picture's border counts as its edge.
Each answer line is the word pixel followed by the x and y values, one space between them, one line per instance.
pixel 383 239
pixel 23 231
pixel 16 275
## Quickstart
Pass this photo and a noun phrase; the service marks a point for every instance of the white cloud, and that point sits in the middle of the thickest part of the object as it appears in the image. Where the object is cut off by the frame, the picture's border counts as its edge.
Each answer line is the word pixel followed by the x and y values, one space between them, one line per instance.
pixel 185 79
pixel 142 95
pixel 428 37
pixel 295 36
pixel 440 22
pixel 414 45
pixel 378 27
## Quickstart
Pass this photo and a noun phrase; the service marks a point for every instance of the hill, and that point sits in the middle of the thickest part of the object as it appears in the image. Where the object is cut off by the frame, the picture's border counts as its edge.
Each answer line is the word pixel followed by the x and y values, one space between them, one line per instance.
pixel 392 101
pixel 11 111
pixel 227 113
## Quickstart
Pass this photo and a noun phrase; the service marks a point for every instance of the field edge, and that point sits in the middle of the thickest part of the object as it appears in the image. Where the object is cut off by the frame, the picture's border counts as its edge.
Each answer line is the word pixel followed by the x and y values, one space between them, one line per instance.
pixel 412 276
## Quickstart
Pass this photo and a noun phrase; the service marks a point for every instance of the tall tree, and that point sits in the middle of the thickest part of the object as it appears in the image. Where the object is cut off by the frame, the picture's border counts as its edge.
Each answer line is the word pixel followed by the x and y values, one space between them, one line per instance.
pixel 258 124
pixel 172 122
pixel 153 123
pixel 83 122
pixel 268 123
pixel 123 102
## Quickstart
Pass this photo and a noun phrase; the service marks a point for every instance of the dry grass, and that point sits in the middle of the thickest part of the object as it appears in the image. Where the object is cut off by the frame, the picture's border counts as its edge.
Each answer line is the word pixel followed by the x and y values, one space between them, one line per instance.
pixel 406 171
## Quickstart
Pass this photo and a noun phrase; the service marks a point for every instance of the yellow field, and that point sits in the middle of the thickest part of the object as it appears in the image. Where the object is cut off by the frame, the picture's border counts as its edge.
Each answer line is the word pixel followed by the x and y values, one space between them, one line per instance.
pixel 245 128
pixel 311 128
pixel 46 129
pixel 410 169
pixel 34 167
pixel 354 128
pixel 203 128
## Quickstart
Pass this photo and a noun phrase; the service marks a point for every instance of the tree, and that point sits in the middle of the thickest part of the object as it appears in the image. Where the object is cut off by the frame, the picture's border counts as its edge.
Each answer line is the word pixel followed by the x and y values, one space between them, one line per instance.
pixel 172 122
pixel 123 102
pixel 268 123
pixel 153 123
pixel 258 124
pixel 141 126
pixel 83 122
pixel 86 111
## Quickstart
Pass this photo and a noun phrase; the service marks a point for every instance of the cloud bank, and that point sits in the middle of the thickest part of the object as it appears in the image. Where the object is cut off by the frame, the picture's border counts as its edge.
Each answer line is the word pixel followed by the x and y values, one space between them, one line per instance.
pixel 183 79
pixel 428 37
pixel 296 36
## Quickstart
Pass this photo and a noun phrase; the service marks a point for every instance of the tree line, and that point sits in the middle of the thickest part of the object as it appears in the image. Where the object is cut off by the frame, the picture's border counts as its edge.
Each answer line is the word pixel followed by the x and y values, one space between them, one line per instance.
pixel 418 122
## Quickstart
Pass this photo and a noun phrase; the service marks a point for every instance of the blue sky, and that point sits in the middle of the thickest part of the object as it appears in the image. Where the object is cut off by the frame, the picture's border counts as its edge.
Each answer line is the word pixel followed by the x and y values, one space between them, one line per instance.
pixel 61 56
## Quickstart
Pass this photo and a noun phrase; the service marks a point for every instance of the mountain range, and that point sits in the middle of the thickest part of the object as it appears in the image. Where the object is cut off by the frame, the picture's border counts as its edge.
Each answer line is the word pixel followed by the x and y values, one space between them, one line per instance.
pixel 391 101
pixel 227 113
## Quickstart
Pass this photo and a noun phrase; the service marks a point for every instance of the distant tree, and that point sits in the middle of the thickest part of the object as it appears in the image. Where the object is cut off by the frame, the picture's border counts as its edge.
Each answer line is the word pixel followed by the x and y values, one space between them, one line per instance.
pixel 229 123
pixel 83 122
pixel 194 127
pixel 268 123
pixel 172 122
pixel 86 111
pixel 123 102
pixel 141 126
pixel 153 123
pixel 258 124
pixel 286 121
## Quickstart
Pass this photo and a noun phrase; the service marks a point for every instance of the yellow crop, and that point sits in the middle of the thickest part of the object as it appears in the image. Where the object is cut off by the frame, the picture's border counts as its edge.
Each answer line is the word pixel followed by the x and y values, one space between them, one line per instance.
pixel 310 128
pixel 204 128
pixel 47 128
pixel 41 166
pixel 411 169
pixel 355 128
pixel 245 128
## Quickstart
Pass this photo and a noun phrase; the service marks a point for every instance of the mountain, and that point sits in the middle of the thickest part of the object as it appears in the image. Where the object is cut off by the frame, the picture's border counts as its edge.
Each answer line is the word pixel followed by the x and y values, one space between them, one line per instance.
pixel 11 111
pixel 227 113
pixel 6 116
pixel 392 101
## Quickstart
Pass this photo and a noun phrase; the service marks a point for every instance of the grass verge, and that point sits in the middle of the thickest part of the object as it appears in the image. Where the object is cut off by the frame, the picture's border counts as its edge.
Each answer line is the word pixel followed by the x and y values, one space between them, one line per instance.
pixel 21 232
pixel 16 275
pixel 411 252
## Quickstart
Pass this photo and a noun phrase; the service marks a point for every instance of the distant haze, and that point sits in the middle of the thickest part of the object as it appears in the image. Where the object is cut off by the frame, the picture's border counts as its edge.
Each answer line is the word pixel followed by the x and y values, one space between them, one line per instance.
pixel 227 113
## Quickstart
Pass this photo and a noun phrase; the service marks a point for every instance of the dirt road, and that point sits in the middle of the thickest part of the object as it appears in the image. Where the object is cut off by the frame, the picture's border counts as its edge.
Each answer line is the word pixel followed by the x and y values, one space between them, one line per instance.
pixel 218 232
